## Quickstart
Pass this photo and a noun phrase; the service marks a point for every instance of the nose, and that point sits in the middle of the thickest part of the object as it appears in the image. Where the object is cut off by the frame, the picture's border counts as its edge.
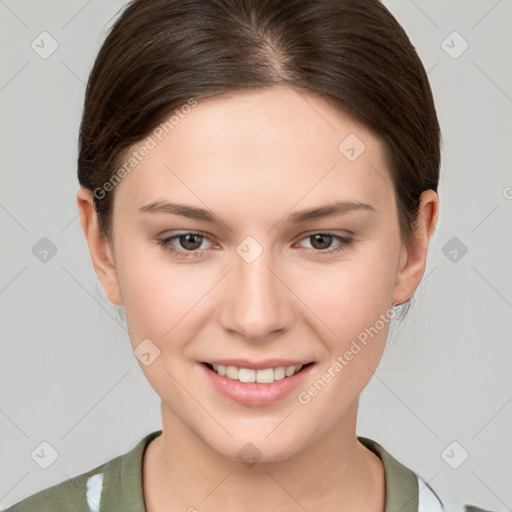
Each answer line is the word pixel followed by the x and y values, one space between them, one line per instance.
pixel 257 303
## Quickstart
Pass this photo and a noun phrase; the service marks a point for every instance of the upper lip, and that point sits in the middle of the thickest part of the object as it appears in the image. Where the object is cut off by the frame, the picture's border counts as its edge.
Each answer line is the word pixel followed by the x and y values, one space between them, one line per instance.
pixel 257 365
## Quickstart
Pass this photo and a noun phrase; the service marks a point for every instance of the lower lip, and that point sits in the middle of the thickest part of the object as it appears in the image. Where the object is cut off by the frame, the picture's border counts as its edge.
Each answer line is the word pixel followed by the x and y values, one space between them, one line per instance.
pixel 253 393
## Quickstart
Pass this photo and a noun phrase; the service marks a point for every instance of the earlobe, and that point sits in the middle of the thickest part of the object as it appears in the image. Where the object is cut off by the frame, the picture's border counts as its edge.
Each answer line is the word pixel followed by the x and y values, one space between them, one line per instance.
pixel 99 247
pixel 413 258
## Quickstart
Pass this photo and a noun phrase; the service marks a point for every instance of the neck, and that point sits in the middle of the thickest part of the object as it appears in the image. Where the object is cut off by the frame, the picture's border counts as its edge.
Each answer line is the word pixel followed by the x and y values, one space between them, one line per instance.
pixel 334 473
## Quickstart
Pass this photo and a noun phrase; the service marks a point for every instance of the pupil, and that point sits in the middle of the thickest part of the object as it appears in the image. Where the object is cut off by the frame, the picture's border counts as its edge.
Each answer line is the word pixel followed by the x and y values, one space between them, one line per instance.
pixel 324 240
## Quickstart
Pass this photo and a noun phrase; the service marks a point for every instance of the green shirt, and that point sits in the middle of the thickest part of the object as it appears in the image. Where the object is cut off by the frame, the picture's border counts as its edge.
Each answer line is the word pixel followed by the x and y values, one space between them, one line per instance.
pixel 116 486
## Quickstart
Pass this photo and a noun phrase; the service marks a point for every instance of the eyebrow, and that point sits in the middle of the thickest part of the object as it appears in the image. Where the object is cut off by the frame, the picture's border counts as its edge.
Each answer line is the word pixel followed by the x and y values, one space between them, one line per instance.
pixel 320 212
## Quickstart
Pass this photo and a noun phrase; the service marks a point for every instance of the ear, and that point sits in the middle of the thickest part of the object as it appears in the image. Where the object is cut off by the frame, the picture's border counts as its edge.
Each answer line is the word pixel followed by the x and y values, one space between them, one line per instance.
pixel 99 247
pixel 413 258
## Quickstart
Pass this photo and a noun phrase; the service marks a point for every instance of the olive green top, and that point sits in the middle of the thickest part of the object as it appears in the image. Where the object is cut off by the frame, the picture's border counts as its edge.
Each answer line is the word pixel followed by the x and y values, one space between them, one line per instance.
pixel 116 486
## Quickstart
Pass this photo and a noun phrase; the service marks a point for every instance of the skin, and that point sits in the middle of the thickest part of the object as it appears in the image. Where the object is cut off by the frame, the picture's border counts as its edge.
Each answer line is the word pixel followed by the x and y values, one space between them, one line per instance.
pixel 253 158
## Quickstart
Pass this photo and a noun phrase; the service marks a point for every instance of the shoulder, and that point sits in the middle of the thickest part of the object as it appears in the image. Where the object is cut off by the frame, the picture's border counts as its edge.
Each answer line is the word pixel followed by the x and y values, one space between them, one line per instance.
pixel 408 492
pixel 441 500
pixel 68 496
pixel 110 486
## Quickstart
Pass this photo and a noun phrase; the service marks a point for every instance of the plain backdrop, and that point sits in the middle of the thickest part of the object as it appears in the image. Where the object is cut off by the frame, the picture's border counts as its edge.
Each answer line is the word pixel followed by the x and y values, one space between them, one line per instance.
pixel 441 399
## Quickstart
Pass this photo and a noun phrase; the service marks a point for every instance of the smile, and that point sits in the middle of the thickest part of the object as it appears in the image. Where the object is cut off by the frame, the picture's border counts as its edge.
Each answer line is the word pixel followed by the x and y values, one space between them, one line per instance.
pixel 256 386
pixel 263 376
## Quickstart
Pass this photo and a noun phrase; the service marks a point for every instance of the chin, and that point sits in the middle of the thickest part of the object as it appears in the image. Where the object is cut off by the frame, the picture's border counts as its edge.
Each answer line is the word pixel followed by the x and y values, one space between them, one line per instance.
pixel 258 449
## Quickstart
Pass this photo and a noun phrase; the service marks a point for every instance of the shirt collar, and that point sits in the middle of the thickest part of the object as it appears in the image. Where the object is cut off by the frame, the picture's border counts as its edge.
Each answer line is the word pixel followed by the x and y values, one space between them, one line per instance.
pixel 401 482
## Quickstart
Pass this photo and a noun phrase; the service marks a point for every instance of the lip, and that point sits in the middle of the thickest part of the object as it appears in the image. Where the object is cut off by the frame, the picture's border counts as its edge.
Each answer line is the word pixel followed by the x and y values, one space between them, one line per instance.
pixel 257 365
pixel 255 394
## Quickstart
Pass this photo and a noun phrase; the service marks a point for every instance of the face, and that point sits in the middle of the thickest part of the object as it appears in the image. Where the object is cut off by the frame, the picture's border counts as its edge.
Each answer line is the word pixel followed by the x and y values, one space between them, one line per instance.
pixel 295 259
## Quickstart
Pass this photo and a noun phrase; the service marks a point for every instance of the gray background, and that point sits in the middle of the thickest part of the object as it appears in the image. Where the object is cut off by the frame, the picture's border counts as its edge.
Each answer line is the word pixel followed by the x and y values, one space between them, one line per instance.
pixel 68 375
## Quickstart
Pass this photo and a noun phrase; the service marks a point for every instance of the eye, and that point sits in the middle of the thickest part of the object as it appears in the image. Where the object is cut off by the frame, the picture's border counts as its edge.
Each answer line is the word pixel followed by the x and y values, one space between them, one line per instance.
pixel 321 242
pixel 189 242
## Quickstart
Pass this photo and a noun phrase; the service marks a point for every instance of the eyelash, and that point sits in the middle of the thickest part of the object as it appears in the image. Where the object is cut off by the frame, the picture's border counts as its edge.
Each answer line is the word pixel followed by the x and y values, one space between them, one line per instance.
pixel 344 243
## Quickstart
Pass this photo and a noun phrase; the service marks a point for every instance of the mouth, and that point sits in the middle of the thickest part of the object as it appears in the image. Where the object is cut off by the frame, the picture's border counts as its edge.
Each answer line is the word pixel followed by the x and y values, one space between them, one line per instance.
pixel 258 376
pixel 260 386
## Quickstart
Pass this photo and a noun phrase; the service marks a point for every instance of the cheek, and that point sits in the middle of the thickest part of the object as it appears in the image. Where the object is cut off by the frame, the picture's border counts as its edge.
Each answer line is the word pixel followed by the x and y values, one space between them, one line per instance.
pixel 354 302
pixel 162 300
pixel 352 294
pixel 163 304
pixel 154 301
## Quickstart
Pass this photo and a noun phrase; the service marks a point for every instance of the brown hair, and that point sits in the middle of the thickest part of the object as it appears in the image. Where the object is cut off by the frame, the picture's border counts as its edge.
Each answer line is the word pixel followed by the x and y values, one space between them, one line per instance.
pixel 353 53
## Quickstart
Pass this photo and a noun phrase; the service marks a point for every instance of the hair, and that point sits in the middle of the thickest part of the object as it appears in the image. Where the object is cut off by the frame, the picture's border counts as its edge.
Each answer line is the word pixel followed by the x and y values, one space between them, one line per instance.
pixel 353 53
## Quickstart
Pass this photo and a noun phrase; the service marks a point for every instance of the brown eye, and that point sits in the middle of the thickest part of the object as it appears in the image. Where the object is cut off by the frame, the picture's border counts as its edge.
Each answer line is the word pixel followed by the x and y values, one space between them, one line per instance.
pixel 327 243
pixel 190 241
pixel 321 241
pixel 185 245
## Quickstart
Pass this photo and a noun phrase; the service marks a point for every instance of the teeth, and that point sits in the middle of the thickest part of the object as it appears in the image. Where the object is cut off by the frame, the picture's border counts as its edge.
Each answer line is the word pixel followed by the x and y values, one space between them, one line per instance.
pixel 290 370
pixel 280 373
pixel 246 375
pixel 232 372
pixel 265 376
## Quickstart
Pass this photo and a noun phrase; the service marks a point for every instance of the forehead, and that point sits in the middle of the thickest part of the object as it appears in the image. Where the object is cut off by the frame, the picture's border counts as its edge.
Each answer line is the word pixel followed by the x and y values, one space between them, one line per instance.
pixel 270 146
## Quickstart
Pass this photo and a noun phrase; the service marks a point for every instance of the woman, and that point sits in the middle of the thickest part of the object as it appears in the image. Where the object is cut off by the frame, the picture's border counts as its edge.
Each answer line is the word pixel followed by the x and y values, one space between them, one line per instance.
pixel 258 191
